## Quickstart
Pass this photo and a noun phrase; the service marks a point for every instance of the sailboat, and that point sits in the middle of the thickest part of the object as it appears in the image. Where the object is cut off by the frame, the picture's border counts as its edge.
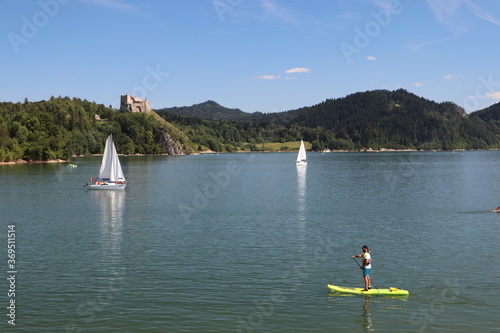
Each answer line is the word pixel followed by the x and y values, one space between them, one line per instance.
pixel 301 157
pixel 111 175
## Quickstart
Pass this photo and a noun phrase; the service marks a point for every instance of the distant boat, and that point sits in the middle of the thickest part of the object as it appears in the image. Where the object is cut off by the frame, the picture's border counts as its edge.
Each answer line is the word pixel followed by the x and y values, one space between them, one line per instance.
pixel 301 157
pixel 111 175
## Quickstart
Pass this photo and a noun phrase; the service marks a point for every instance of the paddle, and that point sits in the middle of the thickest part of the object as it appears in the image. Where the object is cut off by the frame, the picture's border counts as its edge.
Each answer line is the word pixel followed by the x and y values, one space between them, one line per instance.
pixel 371 282
pixel 357 262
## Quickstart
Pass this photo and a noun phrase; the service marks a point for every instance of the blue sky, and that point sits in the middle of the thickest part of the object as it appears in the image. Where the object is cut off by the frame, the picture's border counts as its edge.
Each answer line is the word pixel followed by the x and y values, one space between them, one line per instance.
pixel 255 55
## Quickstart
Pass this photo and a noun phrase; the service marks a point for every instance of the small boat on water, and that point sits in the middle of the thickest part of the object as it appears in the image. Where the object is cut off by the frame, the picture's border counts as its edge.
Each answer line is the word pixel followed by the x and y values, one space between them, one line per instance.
pixel 374 291
pixel 111 175
pixel 301 157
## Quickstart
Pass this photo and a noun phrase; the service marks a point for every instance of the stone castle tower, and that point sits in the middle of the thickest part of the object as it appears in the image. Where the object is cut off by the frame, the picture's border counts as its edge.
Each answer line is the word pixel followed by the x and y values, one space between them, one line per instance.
pixel 134 104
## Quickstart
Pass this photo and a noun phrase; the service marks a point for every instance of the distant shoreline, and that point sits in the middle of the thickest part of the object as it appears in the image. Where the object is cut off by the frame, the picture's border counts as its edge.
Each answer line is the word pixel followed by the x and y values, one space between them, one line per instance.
pixel 369 150
pixel 32 162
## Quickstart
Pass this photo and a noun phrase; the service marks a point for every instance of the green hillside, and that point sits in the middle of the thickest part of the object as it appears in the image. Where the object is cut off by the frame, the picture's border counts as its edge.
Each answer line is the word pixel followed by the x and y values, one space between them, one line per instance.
pixel 62 127
pixel 399 119
pixel 209 110
pixel 373 119
pixel 490 115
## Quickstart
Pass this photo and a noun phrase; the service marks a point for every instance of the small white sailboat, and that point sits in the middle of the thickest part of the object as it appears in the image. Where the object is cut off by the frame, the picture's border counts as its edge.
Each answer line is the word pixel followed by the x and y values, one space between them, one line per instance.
pixel 111 175
pixel 301 157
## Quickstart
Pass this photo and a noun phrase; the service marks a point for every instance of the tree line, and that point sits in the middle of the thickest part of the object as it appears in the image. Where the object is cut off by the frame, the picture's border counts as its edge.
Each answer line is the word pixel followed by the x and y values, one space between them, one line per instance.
pixel 373 119
pixel 63 127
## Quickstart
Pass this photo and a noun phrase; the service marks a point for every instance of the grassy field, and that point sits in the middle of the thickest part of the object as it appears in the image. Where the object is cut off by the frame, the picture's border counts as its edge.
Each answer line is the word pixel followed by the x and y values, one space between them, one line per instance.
pixel 285 146
pixel 290 146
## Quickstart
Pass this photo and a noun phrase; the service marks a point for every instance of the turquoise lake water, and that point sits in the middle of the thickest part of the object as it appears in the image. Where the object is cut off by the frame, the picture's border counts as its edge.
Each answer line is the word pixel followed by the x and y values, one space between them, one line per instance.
pixel 248 242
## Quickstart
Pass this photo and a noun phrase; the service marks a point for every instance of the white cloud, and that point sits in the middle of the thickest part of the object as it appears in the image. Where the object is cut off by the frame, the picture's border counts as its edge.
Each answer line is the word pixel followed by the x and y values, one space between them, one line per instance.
pixel 445 9
pixel 449 77
pixel 268 77
pixel 447 12
pixel 418 46
pixel 418 84
pixel 494 95
pixel 115 4
pixel 346 15
pixel 388 5
pixel 482 14
pixel 124 6
pixel 278 11
pixel 298 70
pixel 371 58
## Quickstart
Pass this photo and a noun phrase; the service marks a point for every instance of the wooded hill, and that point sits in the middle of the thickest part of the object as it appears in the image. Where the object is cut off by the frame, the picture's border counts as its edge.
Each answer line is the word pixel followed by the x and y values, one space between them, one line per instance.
pixel 373 119
pixel 62 127
pixel 211 110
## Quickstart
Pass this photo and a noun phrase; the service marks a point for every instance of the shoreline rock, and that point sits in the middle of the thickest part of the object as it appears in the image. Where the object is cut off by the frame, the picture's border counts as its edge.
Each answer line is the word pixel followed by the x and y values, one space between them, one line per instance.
pixel 32 162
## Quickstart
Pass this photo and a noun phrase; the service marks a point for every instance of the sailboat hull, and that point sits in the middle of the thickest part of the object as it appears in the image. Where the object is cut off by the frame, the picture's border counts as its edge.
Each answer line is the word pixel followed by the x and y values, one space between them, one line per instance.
pixel 107 187
pixel 111 174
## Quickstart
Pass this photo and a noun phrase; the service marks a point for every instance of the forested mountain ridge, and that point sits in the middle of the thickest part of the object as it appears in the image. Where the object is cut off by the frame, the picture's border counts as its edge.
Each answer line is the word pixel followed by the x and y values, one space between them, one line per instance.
pixel 373 119
pixel 399 119
pixel 489 114
pixel 62 127
pixel 209 110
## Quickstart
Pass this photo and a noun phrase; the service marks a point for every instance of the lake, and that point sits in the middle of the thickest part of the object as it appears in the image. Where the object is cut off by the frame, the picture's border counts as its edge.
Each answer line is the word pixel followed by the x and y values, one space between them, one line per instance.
pixel 247 243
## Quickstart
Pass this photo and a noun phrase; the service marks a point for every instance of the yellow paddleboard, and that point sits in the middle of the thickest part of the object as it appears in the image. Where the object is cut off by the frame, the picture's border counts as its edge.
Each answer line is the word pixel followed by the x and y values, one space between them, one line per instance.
pixel 374 291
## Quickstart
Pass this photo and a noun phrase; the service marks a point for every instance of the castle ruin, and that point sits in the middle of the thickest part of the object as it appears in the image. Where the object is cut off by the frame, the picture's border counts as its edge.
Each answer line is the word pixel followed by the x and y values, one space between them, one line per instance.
pixel 134 104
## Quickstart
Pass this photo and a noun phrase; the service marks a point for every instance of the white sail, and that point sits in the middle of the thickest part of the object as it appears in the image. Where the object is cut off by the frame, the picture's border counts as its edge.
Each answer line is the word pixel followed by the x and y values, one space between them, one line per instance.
pixel 111 168
pixel 111 175
pixel 301 157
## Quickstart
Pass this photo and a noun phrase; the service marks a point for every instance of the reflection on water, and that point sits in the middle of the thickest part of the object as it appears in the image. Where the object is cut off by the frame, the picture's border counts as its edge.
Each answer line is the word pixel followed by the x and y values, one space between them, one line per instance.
pixel 111 205
pixel 367 316
pixel 301 191
pixel 363 307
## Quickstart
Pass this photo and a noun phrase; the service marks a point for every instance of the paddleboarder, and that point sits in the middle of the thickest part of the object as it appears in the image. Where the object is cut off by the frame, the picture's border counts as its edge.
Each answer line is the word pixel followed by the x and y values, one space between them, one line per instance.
pixel 366 266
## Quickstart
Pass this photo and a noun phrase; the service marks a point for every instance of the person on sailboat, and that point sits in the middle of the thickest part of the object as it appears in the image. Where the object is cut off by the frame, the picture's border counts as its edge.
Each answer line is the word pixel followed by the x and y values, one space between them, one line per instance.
pixel 366 266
